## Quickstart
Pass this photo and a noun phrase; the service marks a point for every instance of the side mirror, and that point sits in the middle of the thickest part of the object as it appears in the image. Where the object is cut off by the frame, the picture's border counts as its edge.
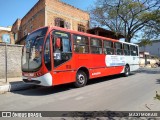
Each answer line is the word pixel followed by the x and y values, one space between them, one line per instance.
pixel 58 43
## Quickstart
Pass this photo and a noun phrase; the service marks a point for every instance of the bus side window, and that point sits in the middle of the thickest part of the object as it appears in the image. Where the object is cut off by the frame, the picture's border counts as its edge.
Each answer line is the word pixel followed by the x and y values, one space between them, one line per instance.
pixel 108 47
pixel 126 49
pixel 134 51
pixel 81 44
pixel 137 51
pixel 96 46
pixel 118 48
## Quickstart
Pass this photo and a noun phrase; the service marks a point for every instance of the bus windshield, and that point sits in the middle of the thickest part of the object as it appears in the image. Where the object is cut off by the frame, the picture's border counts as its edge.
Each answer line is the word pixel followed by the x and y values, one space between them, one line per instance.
pixel 32 51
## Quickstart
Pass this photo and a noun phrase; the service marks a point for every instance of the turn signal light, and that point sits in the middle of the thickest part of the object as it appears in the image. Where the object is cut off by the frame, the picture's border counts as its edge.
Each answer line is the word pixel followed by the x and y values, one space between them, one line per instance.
pixel 38 74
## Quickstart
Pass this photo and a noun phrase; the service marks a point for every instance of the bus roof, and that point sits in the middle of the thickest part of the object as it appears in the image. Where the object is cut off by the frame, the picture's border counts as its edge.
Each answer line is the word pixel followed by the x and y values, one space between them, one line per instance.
pixel 82 33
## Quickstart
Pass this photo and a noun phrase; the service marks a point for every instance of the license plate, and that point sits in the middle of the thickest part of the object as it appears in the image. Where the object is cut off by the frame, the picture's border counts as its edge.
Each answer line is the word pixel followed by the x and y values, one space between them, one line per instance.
pixel 29 74
pixel 29 78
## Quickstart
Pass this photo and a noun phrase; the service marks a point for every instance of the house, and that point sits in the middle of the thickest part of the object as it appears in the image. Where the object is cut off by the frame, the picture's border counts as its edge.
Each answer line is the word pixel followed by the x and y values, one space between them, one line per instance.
pixel 153 49
pixel 50 12
pixel 6 35
pixel 105 33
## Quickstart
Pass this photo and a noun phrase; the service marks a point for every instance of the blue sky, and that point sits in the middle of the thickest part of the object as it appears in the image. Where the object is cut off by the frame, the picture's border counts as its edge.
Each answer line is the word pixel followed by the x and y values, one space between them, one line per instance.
pixel 10 10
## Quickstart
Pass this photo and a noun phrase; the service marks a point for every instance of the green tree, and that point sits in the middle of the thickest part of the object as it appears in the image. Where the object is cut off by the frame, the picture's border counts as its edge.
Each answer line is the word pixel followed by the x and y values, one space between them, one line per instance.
pixel 126 17
pixel 152 28
pixel 144 42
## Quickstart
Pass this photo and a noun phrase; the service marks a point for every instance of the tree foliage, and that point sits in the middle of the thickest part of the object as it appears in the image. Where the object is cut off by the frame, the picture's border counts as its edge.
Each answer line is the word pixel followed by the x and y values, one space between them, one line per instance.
pixel 126 17
pixel 144 42
pixel 152 28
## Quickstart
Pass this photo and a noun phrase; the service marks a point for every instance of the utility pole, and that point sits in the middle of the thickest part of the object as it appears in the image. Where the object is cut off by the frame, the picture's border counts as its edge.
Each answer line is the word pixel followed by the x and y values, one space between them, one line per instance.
pixel 6 61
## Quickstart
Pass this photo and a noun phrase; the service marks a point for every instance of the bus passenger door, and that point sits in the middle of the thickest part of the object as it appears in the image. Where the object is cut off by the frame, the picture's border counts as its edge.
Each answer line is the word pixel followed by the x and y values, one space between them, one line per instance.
pixel 47 54
pixel 62 62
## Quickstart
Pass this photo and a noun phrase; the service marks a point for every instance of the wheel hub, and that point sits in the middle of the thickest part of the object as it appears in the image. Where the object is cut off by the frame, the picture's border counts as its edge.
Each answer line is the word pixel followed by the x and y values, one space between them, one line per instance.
pixel 127 70
pixel 81 79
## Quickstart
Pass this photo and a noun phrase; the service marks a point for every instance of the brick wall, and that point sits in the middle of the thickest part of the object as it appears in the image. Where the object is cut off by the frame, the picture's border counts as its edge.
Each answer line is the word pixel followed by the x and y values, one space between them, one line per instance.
pixel 14 53
pixel 44 13
pixel 72 15
pixel 15 29
pixel 34 19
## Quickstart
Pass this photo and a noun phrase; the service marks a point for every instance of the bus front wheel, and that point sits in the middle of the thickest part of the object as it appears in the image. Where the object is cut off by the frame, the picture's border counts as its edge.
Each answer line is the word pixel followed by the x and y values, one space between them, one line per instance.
pixel 126 71
pixel 81 79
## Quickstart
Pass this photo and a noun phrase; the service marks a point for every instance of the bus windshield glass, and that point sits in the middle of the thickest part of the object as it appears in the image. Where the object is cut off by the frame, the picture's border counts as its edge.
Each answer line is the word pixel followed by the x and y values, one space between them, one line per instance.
pixel 32 51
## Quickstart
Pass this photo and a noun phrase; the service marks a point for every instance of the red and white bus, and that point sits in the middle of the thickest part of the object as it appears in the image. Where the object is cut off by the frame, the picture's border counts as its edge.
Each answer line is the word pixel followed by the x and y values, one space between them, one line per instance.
pixel 54 56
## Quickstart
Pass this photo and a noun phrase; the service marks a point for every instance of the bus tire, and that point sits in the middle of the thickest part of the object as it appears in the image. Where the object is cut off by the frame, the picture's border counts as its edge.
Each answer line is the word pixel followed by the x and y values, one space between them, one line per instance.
pixel 126 71
pixel 81 79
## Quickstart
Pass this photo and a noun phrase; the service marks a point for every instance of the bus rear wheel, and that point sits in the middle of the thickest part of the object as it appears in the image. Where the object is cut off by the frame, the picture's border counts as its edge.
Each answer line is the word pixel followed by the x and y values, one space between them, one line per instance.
pixel 126 71
pixel 81 79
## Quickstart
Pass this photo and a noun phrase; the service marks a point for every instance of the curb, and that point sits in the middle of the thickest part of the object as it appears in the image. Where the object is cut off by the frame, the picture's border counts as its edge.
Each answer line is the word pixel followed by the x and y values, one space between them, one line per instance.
pixel 15 86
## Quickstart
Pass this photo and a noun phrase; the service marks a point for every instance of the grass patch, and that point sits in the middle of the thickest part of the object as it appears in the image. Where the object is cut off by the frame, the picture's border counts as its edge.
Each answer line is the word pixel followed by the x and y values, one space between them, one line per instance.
pixel 157 96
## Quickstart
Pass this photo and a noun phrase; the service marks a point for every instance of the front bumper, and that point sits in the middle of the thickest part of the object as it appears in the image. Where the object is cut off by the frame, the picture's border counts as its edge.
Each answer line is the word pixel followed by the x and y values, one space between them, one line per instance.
pixel 45 80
